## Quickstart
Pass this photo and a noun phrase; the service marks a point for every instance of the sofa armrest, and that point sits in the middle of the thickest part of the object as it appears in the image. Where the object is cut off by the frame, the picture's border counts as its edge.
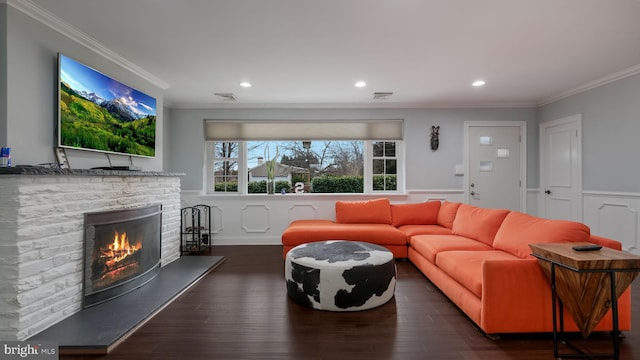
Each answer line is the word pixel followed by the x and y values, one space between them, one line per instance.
pixel 613 244
pixel 515 294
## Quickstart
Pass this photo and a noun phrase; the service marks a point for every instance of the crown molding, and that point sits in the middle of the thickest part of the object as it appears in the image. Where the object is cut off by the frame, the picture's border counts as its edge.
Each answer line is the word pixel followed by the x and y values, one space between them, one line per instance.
pixel 634 70
pixel 43 16
pixel 363 106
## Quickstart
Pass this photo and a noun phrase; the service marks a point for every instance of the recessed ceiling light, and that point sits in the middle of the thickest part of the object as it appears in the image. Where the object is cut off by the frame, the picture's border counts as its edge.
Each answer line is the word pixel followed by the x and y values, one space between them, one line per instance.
pixel 478 83
pixel 245 84
pixel 361 84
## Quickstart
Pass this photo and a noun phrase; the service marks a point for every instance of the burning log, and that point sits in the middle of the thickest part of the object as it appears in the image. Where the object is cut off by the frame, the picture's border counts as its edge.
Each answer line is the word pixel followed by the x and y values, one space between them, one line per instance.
pixel 119 253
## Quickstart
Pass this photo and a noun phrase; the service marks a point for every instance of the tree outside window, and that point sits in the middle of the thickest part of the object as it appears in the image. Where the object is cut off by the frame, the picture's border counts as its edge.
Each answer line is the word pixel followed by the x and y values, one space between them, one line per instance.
pixel 225 166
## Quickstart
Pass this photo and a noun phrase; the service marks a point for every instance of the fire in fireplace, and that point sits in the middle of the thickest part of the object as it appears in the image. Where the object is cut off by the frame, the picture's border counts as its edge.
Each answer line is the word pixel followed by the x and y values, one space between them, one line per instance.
pixel 117 260
pixel 122 252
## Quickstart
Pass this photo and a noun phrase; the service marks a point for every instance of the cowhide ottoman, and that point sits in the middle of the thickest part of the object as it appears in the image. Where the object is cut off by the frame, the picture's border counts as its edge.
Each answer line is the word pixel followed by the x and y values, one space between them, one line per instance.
pixel 340 275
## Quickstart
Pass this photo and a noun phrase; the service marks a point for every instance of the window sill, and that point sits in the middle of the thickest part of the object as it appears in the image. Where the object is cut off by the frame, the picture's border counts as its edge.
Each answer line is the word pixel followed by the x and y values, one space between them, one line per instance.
pixel 307 196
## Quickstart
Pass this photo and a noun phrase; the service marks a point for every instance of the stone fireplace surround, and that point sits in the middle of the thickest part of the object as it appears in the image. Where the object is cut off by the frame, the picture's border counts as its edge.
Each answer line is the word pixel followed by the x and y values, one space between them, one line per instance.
pixel 41 236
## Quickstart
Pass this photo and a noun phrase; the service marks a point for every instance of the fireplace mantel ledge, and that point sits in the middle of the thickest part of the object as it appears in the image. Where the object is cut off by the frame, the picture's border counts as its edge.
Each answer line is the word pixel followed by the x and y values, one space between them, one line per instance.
pixel 41 170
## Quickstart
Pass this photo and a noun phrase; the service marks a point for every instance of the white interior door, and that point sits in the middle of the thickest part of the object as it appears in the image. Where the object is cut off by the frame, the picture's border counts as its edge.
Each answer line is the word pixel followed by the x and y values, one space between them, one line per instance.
pixel 496 165
pixel 561 168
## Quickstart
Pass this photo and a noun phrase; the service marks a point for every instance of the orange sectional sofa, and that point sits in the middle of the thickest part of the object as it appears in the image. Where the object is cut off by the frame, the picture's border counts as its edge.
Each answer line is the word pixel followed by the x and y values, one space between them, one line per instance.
pixel 479 258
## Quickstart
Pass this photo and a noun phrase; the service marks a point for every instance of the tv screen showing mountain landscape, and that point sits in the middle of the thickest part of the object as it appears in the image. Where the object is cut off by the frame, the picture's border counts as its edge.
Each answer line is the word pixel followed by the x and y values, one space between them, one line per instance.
pixel 99 113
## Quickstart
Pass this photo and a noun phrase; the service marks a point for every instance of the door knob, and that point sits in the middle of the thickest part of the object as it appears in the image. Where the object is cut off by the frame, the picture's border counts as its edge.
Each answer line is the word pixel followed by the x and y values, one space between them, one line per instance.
pixel 547 192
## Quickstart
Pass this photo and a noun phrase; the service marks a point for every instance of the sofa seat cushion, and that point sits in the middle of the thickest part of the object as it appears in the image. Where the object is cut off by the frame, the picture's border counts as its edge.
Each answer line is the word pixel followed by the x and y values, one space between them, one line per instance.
pixel 465 267
pixel 518 230
pixel 425 213
pixel 411 230
pixel 375 211
pixel 478 223
pixel 304 231
pixel 430 246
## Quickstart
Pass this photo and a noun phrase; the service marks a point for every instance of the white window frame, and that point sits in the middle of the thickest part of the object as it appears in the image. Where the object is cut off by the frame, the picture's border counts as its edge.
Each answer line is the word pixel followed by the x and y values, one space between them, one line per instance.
pixel 367 169
pixel 209 176
pixel 400 159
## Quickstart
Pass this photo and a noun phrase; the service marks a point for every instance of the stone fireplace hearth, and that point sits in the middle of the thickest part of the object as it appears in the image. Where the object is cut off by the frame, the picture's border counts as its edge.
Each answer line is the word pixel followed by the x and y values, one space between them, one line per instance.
pixel 42 227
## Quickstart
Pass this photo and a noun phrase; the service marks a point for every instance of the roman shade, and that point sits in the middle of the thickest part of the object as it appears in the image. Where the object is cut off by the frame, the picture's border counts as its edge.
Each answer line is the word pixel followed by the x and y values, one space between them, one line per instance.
pixel 303 130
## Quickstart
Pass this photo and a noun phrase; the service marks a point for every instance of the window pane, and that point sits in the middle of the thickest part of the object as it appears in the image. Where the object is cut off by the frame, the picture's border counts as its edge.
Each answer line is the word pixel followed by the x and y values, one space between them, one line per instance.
pixel 225 176
pixel 321 166
pixel 390 167
pixel 390 182
pixel 378 149
pixel 225 166
pixel 378 166
pixel 226 149
pixel 378 183
pixel 390 149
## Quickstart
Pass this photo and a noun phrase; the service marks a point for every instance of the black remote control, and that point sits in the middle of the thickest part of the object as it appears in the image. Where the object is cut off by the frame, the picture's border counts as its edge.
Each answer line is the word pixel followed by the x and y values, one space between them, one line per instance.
pixel 587 247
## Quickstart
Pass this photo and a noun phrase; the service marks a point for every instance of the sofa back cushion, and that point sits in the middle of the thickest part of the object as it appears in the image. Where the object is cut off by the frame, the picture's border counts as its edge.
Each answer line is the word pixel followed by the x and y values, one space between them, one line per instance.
pixel 518 230
pixel 425 213
pixel 447 213
pixel 376 211
pixel 477 223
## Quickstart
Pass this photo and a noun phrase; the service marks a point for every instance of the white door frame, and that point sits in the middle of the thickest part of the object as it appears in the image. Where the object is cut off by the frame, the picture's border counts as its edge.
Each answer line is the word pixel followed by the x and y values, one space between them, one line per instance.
pixel 523 156
pixel 577 191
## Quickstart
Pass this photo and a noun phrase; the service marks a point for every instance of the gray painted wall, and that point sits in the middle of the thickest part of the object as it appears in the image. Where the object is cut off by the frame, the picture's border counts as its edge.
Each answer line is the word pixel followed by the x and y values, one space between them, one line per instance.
pixel 611 131
pixel 31 100
pixel 28 50
pixel 424 169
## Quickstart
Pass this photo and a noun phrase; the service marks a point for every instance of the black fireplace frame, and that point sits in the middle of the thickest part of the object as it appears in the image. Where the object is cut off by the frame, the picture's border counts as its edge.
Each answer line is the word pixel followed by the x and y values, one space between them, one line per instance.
pixel 91 298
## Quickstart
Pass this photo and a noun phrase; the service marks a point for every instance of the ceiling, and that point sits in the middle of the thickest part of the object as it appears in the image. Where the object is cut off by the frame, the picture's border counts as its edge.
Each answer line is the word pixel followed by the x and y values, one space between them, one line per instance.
pixel 302 53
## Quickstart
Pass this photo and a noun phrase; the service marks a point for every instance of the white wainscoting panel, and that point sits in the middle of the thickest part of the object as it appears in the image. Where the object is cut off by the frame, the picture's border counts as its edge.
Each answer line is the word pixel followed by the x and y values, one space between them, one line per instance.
pixel 614 215
pixel 261 219
pixel 255 218
pixel 216 219
pixel 302 211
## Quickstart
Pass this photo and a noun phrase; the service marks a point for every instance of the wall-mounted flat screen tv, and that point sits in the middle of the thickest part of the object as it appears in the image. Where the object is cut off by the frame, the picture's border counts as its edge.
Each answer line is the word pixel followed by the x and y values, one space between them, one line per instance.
pixel 99 113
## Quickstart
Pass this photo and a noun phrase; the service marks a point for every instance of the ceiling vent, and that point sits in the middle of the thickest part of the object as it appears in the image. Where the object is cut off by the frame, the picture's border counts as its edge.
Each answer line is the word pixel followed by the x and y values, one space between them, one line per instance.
pixel 226 96
pixel 382 95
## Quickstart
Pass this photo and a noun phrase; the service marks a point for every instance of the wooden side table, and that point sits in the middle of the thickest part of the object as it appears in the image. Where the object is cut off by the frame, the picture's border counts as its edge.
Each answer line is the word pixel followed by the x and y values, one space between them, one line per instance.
pixel 589 284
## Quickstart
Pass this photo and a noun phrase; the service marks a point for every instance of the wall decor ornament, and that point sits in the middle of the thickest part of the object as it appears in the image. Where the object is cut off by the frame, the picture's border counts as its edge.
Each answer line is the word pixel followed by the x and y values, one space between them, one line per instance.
pixel 435 137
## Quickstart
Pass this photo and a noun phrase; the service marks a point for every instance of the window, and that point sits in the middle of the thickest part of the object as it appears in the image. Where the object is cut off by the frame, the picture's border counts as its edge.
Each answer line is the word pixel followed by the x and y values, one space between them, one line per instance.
pixel 324 166
pixel 263 157
pixel 224 160
pixel 385 169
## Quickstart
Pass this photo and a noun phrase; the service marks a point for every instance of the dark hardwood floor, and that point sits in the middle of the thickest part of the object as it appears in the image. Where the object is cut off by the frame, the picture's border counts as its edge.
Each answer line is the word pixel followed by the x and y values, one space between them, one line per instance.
pixel 241 311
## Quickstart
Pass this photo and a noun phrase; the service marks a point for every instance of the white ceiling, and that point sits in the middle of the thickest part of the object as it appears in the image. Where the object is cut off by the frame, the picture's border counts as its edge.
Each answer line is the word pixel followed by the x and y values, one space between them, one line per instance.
pixel 301 53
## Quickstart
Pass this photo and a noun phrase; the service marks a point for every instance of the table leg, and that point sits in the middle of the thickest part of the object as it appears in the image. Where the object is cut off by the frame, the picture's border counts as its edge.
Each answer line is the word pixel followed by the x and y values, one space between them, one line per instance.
pixel 614 315
pixel 554 297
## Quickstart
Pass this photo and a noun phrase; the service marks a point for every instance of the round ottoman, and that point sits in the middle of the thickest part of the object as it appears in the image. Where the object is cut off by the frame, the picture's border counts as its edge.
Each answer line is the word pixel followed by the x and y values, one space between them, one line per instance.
pixel 340 275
